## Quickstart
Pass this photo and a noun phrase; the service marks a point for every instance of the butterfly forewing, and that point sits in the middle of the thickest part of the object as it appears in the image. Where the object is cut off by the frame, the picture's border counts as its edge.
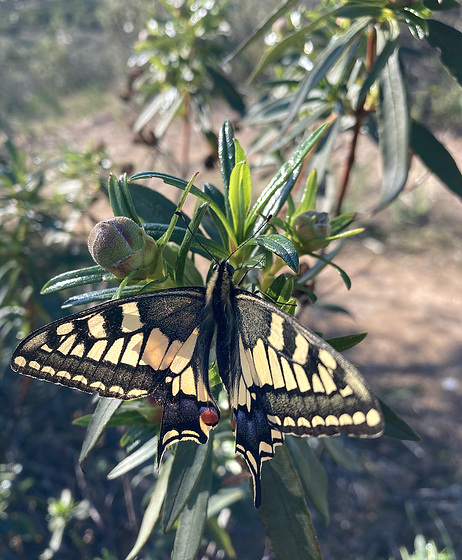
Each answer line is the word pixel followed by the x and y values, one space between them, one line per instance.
pixel 128 349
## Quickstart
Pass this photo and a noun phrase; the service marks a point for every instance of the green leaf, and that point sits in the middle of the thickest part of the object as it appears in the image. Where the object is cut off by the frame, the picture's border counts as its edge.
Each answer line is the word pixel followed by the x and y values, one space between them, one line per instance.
pixel 100 295
pixel 120 198
pixel 120 418
pixel 220 537
pixel 74 278
pixel 440 5
pixel 275 203
pixel 377 67
pixel 343 343
pixel 153 107
pixel 189 462
pixel 278 182
pixel 395 426
pixel 340 222
pixel 340 454
pixel 223 86
pixel 194 516
pixel 284 511
pixel 157 230
pixel 343 274
pixel 280 246
pixel 152 206
pixel 182 184
pixel 312 474
pixel 225 497
pixel 261 30
pixel 323 63
pixel 187 242
pixel 449 42
pixel 138 457
pixel 102 415
pixel 435 156
pixel 394 128
pixel 308 200
pixel 239 197
pixel 226 155
pixel 151 515
pixel 281 289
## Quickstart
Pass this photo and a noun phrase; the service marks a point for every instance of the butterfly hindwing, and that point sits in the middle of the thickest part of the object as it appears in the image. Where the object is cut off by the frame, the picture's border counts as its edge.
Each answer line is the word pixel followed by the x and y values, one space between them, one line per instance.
pixel 142 345
pixel 292 382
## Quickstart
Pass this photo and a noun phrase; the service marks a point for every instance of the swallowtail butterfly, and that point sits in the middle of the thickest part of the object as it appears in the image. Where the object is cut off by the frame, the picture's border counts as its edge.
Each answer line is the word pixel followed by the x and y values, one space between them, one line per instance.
pixel 280 377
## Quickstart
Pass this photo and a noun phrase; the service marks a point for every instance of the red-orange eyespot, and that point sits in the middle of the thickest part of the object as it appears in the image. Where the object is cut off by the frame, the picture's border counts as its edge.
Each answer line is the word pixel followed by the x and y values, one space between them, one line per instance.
pixel 209 416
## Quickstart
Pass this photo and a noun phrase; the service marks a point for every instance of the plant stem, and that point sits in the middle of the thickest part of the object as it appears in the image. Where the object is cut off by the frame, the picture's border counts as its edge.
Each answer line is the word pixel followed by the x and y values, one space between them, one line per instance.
pixel 360 113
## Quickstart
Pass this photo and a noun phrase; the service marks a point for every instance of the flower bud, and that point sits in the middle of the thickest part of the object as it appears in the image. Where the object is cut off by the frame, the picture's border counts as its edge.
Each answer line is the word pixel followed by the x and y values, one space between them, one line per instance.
pixel 121 246
pixel 311 229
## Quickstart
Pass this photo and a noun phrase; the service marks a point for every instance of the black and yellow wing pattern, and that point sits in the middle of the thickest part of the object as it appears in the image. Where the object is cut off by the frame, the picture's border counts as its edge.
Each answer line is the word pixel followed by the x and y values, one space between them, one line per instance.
pixel 280 377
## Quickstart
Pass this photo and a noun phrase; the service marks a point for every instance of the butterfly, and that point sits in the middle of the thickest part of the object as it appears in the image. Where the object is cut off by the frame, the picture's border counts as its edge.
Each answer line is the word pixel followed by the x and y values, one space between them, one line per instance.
pixel 281 378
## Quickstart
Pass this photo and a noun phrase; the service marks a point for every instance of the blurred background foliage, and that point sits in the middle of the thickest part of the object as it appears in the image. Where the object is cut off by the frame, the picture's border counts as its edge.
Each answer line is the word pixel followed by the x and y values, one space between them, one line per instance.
pixel 63 59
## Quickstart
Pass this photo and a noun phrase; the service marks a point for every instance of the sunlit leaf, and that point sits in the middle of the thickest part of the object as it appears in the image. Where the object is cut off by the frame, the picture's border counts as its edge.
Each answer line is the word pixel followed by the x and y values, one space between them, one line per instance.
pixel 138 457
pixel 280 246
pixel 394 129
pixel 102 415
pixel 151 515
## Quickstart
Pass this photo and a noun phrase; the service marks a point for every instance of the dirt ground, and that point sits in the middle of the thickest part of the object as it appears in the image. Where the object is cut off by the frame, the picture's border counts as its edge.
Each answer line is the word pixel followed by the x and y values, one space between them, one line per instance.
pixel 407 295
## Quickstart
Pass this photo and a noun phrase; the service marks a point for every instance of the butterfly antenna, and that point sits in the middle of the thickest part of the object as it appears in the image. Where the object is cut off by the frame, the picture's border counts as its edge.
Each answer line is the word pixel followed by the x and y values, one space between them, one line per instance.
pixel 180 214
pixel 254 234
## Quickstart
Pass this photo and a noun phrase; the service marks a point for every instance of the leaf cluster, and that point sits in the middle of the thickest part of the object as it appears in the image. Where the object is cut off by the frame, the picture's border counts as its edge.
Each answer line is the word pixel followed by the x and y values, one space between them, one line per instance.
pixel 196 482
pixel 346 60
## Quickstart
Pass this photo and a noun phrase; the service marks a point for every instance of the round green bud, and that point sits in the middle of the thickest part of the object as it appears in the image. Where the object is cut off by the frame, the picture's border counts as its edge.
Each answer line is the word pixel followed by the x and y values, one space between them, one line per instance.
pixel 121 246
pixel 311 229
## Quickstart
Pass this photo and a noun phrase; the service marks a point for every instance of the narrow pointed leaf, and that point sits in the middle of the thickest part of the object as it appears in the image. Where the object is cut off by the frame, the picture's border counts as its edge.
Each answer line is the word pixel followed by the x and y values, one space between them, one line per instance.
pixel 395 426
pixel 102 415
pixel 377 67
pixel 279 180
pixel 274 204
pixel 193 517
pixel 340 222
pixel 138 457
pixel 220 537
pixel 323 63
pixel 449 42
pixel 151 515
pixel 189 462
pixel 226 155
pixel 151 205
pixel 239 197
pixel 100 295
pixel 261 30
pixel 343 274
pixel 394 129
pixel 340 454
pixel 312 474
pixel 152 108
pixel 182 184
pixel 435 156
pixel 284 511
pixel 343 343
pixel 120 199
pixel 187 242
pixel 81 277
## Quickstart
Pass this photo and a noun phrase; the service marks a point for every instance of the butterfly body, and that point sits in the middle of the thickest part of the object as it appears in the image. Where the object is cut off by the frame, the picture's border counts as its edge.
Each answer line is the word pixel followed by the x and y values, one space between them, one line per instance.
pixel 280 377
